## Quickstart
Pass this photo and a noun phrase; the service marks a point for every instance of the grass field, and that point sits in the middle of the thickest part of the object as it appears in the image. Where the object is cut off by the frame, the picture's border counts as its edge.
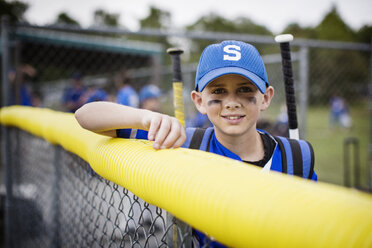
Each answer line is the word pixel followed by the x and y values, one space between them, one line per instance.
pixel 329 143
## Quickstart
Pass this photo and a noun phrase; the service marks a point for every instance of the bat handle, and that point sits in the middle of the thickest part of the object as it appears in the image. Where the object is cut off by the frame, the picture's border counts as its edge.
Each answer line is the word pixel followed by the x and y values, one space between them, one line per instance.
pixel 284 40
pixel 176 62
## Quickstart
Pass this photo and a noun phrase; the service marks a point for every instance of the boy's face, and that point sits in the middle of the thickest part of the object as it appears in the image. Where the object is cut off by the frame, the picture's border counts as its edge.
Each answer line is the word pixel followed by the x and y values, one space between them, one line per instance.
pixel 233 104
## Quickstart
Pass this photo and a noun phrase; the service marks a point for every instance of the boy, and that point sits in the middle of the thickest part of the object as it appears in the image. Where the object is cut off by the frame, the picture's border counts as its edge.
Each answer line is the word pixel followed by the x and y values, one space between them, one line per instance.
pixel 231 88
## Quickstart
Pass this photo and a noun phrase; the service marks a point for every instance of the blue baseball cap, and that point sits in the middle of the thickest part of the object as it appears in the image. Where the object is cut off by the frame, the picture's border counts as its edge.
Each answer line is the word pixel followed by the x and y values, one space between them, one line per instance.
pixel 231 57
pixel 149 91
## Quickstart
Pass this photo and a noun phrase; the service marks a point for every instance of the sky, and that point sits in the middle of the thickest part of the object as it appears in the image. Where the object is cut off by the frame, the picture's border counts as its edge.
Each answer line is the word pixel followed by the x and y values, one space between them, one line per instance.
pixel 274 14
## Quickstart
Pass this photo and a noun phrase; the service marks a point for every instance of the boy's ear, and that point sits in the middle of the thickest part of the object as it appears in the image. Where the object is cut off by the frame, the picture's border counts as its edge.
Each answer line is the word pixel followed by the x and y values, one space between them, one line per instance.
pixel 269 94
pixel 198 101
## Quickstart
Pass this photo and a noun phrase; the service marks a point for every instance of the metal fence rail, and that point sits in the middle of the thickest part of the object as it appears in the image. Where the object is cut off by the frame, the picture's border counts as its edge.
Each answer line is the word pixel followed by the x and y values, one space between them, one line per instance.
pixel 59 201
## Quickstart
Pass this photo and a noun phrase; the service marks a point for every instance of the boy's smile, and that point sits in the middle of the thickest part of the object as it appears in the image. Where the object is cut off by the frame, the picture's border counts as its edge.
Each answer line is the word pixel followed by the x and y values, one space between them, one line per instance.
pixel 232 103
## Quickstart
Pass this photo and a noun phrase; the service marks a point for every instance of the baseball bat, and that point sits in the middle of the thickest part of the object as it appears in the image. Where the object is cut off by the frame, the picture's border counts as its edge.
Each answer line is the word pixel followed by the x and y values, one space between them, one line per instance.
pixel 179 111
pixel 285 50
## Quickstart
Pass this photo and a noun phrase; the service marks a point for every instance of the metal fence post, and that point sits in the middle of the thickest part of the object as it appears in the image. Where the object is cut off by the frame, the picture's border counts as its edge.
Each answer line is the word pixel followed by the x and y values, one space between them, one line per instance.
pixel 304 89
pixel 349 144
pixel 5 144
pixel 178 233
pixel 56 196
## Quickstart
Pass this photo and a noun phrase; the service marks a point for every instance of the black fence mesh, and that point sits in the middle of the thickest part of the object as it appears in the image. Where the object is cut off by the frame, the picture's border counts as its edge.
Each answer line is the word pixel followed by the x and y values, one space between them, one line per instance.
pixel 59 201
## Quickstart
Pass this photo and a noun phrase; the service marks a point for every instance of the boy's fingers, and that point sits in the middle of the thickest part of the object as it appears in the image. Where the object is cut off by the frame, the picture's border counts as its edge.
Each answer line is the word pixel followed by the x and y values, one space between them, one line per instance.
pixel 172 136
pixel 176 136
pixel 163 132
pixel 181 139
pixel 154 127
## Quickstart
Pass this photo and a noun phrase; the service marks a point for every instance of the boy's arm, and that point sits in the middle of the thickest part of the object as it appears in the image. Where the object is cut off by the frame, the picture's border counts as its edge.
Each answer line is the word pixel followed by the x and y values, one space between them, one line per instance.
pixel 105 117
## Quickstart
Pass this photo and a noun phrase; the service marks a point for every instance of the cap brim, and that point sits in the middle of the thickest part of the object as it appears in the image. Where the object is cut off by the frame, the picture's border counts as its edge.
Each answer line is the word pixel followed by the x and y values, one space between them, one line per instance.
pixel 207 78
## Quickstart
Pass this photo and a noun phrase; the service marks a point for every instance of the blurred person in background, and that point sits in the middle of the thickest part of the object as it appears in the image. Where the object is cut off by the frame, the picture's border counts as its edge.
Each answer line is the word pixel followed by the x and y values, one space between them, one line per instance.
pixel 150 97
pixel 339 113
pixel 94 94
pixel 37 99
pixel 20 82
pixel 126 94
pixel 72 96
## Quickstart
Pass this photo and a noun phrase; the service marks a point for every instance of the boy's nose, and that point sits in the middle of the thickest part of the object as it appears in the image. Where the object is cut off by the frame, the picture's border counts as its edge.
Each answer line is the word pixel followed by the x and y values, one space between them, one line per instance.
pixel 232 104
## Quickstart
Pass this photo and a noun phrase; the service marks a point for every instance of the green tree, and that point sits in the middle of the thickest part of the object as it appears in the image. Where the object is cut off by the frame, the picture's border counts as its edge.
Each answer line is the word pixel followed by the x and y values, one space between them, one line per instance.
pixel 335 71
pixel 332 27
pixel 14 9
pixel 365 34
pixel 157 18
pixel 213 23
pixel 300 32
pixel 103 18
pixel 216 23
pixel 64 18
pixel 332 71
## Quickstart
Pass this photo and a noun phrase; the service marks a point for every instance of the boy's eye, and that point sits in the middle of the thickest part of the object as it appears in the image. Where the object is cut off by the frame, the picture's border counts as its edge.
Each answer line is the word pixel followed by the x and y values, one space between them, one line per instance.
pixel 218 91
pixel 245 89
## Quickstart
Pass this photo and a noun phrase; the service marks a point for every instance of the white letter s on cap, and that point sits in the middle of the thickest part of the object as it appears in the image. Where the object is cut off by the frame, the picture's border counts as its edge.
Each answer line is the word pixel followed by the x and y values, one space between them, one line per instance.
pixel 233 53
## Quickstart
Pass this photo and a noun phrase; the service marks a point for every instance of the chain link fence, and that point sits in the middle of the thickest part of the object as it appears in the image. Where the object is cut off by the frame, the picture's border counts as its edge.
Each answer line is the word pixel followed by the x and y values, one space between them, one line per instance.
pixel 57 200
pixel 43 63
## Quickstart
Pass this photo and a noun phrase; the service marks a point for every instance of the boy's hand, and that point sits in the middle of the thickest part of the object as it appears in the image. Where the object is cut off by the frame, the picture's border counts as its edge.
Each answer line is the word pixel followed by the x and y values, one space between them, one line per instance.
pixel 164 130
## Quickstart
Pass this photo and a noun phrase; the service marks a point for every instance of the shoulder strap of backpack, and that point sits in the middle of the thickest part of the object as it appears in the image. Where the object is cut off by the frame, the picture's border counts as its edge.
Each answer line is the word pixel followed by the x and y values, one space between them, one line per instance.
pixel 284 155
pixel 308 158
pixel 201 138
pixel 297 157
pixel 197 138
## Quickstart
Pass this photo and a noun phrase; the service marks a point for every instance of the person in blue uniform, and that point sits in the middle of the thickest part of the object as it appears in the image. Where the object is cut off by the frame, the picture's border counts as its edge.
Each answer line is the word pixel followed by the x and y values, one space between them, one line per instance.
pixel 94 94
pixel 72 95
pixel 232 89
pixel 127 95
pixel 149 97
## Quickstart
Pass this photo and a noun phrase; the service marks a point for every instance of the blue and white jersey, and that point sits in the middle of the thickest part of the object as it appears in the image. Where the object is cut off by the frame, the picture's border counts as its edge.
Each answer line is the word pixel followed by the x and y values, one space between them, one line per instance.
pixel 283 151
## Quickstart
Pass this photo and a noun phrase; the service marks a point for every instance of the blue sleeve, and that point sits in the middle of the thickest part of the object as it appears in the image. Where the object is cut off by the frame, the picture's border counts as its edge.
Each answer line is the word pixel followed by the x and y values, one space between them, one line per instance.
pixel 131 133
pixel 204 240
pixel 142 134
pixel 123 133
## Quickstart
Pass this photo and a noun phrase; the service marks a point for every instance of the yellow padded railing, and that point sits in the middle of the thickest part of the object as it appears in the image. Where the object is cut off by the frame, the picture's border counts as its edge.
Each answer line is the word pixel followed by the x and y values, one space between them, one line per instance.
pixel 237 204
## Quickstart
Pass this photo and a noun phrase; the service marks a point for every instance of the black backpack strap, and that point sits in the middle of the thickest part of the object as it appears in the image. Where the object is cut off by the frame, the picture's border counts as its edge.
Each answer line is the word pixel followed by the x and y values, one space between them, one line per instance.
pixel 296 158
pixel 283 153
pixel 311 172
pixel 197 138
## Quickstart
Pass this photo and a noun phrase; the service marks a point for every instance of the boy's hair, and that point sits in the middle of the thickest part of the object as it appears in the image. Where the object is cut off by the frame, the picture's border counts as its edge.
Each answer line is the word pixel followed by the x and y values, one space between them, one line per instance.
pixel 231 57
